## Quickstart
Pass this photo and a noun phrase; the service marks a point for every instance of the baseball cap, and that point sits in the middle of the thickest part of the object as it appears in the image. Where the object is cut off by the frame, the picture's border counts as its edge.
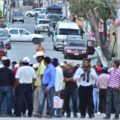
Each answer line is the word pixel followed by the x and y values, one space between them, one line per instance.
pixel 38 54
pixel 4 58
pixel 26 60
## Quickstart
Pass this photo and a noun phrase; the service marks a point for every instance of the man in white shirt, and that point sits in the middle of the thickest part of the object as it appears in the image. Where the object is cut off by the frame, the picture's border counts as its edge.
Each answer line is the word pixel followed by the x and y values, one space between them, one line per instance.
pixel 25 76
pixel 86 77
pixel 58 83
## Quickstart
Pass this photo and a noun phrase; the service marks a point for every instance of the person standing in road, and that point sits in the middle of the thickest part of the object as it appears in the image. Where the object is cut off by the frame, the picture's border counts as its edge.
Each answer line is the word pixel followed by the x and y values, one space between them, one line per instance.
pixel 113 91
pixel 58 83
pixel 47 89
pixel 25 76
pixel 86 77
pixel 7 80
pixel 70 90
pixel 102 84
pixel 40 59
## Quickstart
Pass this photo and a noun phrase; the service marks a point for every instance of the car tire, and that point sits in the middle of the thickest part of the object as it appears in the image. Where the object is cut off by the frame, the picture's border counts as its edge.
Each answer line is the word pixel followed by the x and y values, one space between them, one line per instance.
pixel 12 21
pixel 29 15
pixel 35 31
pixel 22 21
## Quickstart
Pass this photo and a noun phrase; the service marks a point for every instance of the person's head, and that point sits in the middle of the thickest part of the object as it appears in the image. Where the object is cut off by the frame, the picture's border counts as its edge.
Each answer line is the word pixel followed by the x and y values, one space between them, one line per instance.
pixel 105 70
pixel 39 56
pixel 115 63
pixel 3 59
pixel 47 60
pixel 26 61
pixel 55 62
pixel 86 63
pixel 6 63
pixel 13 64
pixel 69 67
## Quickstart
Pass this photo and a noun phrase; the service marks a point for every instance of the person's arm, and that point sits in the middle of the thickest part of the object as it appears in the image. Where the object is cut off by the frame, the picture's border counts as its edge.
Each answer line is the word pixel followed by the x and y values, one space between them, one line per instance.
pixel 78 74
pixel 52 73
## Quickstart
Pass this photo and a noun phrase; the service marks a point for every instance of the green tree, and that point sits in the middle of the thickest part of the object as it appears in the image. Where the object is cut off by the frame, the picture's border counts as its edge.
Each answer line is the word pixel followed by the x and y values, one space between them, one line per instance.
pixel 94 10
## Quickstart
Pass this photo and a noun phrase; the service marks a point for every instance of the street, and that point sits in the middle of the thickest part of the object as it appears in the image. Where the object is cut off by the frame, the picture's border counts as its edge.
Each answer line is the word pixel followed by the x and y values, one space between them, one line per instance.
pixel 22 49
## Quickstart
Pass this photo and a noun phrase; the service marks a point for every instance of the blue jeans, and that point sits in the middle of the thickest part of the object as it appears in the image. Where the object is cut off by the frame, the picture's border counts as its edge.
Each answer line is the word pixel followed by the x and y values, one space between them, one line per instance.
pixel 6 99
pixel 96 99
pixel 42 97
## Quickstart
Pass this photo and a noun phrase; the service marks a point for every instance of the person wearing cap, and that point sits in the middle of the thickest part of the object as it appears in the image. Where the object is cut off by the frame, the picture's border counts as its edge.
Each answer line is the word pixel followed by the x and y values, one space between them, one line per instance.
pixel 7 80
pixel 2 61
pixel 39 56
pixel 47 89
pixel 102 84
pixel 58 83
pixel 25 76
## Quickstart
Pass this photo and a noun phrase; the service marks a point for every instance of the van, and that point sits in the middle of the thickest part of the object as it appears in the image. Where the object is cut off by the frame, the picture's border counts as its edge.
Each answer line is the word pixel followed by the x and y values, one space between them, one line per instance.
pixel 62 30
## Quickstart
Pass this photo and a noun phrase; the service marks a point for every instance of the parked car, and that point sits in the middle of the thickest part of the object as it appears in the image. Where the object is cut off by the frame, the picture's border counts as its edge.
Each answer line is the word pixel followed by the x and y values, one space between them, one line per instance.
pixel 42 25
pixel 5 38
pixel 35 11
pixel 23 35
pixel 3 50
pixel 75 48
pixel 17 16
pixel 62 30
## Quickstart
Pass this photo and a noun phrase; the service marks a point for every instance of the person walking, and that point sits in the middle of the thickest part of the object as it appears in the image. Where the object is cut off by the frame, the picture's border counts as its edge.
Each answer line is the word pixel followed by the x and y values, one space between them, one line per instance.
pixel 113 91
pixel 7 80
pixel 58 84
pixel 39 56
pixel 86 77
pixel 70 91
pixel 102 84
pixel 25 76
pixel 47 89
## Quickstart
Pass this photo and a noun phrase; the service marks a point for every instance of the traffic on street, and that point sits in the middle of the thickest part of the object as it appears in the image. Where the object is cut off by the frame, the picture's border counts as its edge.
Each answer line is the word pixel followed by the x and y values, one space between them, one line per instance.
pixel 58 60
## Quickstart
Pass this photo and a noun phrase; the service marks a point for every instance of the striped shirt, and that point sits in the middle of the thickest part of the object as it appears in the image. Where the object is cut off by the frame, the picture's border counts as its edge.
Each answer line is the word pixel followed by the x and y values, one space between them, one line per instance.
pixel 114 81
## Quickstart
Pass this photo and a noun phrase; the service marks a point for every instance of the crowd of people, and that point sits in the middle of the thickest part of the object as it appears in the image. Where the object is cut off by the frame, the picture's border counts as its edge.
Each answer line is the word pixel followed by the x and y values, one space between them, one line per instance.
pixel 29 89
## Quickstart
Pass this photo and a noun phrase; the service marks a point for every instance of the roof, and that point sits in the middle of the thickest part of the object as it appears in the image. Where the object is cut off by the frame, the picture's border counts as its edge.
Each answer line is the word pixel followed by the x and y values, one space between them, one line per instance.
pixel 68 25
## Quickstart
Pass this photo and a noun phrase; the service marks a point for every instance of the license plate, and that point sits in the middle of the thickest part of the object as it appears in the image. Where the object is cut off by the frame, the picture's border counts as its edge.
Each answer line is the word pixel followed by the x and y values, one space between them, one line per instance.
pixel 76 53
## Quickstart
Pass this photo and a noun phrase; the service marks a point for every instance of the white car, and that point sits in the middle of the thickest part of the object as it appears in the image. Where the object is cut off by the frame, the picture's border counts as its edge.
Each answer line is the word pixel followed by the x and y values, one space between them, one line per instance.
pixel 35 11
pixel 42 25
pixel 23 35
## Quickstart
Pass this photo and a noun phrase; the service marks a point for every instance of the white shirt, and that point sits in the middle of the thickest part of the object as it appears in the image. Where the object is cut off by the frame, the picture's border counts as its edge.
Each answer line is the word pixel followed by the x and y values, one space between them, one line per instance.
pixel 59 79
pixel 92 77
pixel 25 74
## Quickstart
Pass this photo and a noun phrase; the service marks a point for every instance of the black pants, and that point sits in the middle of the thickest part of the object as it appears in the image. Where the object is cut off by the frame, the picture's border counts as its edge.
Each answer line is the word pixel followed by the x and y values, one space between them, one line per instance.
pixel 73 95
pixel 102 98
pixel 86 100
pixel 24 96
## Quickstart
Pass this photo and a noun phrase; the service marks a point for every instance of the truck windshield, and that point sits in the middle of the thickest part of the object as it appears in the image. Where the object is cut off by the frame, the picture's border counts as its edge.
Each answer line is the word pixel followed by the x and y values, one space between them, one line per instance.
pixel 69 32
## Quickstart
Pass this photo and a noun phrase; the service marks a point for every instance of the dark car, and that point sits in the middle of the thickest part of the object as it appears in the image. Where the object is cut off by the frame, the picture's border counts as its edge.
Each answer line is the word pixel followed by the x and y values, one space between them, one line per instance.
pixel 3 51
pixel 17 16
pixel 75 48
pixel 5 38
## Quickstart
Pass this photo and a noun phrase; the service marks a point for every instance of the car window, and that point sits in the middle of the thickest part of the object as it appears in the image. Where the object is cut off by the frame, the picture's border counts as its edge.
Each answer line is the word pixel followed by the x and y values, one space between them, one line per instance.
pixel 76 44
pixel 91 43
pixel 1 45
pixel 44 22
pixel 24 32
pixel 13 31
pixel 69 32
pixel 4 33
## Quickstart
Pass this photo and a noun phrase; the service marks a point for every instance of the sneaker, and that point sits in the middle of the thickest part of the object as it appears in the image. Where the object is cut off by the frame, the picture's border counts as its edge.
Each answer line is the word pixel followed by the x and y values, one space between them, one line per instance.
pixel 48 116
pixel 75 115
pixel 106 118
pixel 91 116
pixel 68 116
pixel 37 114
pixel 82 116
